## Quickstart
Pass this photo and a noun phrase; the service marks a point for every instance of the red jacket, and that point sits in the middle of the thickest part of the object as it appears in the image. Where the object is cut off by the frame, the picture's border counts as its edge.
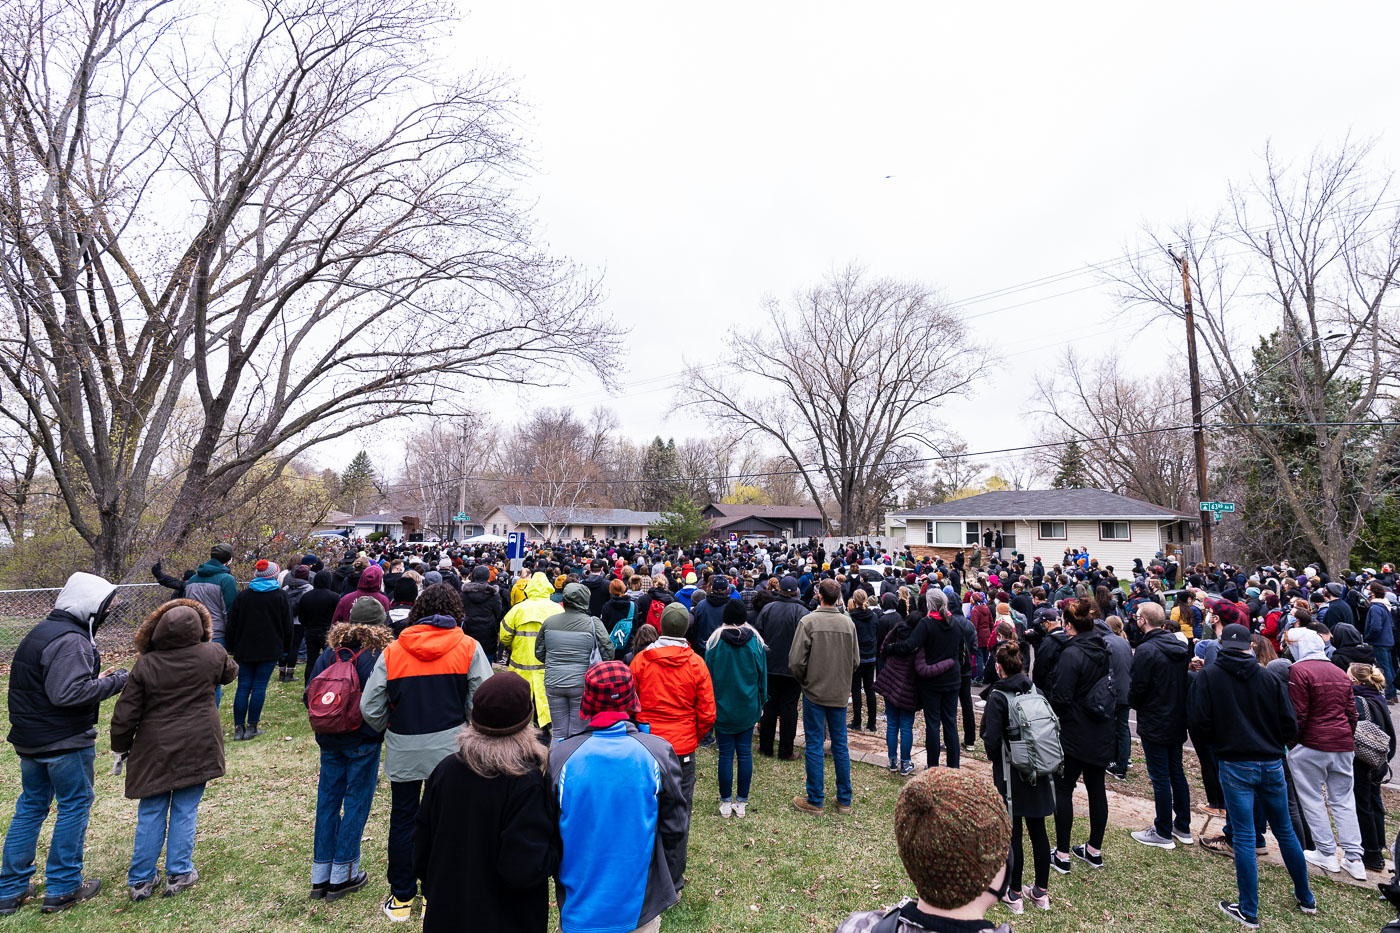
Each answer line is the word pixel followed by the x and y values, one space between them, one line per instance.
pixel 678 699
pixel 1322 698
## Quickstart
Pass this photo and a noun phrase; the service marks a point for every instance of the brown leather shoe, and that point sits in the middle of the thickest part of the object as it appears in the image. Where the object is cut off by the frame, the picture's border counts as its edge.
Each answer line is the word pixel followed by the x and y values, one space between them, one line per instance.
pixel 804 805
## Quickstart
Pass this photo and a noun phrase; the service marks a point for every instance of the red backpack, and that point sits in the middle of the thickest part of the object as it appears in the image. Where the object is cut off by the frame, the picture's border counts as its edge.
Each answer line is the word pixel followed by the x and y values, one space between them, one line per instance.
pixel 333 698
pixel 654 613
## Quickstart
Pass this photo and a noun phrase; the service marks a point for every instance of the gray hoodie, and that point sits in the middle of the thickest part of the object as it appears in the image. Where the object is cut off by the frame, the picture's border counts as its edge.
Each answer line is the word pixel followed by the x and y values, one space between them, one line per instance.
pixel 566 641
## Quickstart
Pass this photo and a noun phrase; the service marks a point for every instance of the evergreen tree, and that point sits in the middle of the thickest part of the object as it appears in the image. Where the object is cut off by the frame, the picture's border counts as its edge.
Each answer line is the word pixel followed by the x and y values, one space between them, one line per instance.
pixel 1070 470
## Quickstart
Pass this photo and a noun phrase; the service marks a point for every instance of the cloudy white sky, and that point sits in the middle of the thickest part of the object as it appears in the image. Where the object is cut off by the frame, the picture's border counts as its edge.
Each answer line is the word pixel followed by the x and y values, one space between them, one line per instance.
pixel 704 157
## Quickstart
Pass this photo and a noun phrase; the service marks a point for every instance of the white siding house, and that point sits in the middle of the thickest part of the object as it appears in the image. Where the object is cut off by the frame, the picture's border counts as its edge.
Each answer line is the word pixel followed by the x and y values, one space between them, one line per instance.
pixel 1044 522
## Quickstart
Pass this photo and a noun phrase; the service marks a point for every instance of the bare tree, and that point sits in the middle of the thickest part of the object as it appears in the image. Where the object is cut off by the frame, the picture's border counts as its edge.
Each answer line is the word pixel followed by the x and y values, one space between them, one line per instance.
pixel 845 377
pixel 1309 252
pixel 298 223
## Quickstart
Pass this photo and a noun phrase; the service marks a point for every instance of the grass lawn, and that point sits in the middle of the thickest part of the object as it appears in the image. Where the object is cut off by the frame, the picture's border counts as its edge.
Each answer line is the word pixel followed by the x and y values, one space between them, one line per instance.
pixel 776 870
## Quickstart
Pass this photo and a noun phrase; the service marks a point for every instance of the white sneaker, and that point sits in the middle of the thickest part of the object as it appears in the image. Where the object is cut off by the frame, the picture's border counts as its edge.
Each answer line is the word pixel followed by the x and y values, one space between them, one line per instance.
pixel 726 809
pixel 1356 869
pixel 741 810
pixel 1325 862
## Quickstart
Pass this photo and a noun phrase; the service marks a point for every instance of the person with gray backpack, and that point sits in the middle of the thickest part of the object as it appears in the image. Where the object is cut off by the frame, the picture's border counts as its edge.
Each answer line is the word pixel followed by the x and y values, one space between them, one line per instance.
pixel 1021 735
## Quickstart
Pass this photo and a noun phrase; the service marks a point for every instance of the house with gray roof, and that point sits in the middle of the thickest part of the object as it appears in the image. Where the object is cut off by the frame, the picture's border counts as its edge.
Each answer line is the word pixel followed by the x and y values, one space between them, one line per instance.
pixel 1044 522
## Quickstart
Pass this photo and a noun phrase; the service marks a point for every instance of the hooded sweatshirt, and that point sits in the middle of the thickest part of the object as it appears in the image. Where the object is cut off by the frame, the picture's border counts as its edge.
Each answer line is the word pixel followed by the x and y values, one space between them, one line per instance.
pixel 371 584
pixel 420 695
pixel 1241 710
pixel 738 662
pixel 1321 695
pixel 567 639
pixel 674 686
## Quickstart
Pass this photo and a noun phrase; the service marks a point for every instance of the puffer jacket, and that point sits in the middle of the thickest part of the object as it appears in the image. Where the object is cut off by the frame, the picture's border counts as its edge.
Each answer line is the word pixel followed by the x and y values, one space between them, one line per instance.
pixel 165 719
pixel 519 629
pixel 567 639
pixel 677 695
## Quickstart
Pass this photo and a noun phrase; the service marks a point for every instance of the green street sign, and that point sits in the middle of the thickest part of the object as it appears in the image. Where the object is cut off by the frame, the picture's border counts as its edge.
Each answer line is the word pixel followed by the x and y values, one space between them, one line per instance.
pixel 1217 506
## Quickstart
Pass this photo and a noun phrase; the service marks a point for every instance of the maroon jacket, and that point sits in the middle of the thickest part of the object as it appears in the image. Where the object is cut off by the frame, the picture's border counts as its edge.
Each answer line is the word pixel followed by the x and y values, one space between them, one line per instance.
pixel 1322 698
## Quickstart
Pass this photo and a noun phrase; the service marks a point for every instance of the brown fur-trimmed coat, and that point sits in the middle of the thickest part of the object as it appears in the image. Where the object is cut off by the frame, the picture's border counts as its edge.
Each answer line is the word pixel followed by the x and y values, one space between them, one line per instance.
pixel 166 719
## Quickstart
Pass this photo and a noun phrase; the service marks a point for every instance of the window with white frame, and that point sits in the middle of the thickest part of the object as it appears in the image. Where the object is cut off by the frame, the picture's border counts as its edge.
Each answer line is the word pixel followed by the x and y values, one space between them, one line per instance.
pixel 1052 531
pixel 1115 531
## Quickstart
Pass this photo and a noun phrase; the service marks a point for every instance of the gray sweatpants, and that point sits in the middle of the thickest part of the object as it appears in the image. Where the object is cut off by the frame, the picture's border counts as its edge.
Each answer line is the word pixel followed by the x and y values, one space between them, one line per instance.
pixel 1313 770
pixel 563 712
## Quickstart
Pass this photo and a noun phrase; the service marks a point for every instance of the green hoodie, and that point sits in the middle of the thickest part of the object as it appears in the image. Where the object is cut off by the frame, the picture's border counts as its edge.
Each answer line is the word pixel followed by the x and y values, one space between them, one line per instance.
pixel 567 639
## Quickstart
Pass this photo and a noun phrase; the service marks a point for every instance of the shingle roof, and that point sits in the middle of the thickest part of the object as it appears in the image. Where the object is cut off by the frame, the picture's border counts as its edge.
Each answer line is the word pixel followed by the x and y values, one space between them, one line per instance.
pixel 540 515
pixel 767 511
pixel 1045 503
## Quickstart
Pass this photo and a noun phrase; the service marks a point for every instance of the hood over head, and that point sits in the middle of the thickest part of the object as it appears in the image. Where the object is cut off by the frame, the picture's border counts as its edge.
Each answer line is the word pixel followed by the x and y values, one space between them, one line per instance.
pixel 87 597
pixel 176 624
pixel 576 597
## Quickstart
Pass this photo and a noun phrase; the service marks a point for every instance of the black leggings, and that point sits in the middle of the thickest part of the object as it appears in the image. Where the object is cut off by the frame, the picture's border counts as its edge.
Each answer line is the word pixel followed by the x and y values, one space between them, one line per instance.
pixel 1064 802
pixel 865 674
pixel 1040 851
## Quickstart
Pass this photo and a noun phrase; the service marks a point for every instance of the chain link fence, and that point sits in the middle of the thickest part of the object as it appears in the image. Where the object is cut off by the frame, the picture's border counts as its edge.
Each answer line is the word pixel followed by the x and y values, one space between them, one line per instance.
pixel 21 609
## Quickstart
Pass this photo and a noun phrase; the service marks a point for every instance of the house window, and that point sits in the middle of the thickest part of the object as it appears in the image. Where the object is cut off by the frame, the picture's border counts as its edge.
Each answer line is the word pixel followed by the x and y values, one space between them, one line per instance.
pixel 1115 531
pixel 948 533
pixel 1052 531
pixel 973 537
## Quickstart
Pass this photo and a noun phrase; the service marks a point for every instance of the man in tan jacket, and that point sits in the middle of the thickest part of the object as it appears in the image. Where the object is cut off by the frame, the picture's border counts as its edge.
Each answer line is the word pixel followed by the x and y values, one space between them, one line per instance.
pixel 824 655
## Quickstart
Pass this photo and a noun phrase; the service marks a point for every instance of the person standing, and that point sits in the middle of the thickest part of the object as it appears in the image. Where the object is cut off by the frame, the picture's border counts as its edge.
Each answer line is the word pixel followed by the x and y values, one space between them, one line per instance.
pixel 259 633
pixel 419 695
pixel 1244 714
pixel 1323 754
pixel 620 803
pixel 738 663
pixel 565 643
pixel 1083 697
pixel 53 698
pixel 1158 693
pixel 825 653
pixel 777 623
pixel 486 840
pixel 165 728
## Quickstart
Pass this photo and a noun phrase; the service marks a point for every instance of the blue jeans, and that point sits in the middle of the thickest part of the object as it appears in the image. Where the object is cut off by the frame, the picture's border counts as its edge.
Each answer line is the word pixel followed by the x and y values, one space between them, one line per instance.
pixel 899 732
pixel 152 835
pixel 343 797
pixel 252 690
pixel 1169 788
pixel 65 778
pixel 729 744
pixel 1246 783
pixel 817 721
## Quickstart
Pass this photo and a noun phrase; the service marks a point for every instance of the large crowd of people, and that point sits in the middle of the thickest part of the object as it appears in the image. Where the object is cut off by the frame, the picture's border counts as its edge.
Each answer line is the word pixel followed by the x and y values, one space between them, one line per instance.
pixel 543 722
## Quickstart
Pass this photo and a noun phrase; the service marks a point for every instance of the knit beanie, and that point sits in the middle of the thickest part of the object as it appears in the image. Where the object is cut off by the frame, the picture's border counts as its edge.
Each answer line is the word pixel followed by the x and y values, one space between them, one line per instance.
pixel 675 621
pixel 502 705
pixel 367 611
pixel 953 834
pixel 266 570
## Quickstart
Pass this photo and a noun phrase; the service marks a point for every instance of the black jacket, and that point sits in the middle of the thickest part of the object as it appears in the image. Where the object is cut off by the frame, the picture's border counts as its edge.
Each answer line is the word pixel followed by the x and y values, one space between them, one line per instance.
pixel 259 626
pixel 777 623
pixel 482 613
pixel 1241 711
pixel 1083 662
pixel 941 639
pixel 1158 691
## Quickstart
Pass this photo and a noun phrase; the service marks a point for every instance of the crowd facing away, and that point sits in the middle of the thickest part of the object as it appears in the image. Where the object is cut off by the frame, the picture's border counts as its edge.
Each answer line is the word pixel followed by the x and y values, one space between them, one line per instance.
pixel 541 725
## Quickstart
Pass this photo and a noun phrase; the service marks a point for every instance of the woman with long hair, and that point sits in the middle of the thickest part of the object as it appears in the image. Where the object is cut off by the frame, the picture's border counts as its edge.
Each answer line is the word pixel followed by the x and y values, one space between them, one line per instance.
pixel 486 841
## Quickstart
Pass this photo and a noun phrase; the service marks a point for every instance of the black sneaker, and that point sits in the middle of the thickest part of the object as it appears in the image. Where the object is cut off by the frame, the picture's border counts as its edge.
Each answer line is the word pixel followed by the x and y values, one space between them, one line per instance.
pixel 1082 853
pixel 11 905
pixel 337 890
pixel 1062 867
pixel 83 892
pixel 1233 911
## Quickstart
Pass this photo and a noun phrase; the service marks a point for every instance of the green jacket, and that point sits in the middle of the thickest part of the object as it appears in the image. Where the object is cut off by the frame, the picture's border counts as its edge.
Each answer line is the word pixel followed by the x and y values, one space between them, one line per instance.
pixel 738 663
pixel 824 655
pixel 566 641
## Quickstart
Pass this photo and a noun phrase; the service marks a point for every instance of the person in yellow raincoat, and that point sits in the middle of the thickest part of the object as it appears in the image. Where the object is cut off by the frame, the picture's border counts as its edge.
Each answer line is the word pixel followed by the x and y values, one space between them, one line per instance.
pixel 519 629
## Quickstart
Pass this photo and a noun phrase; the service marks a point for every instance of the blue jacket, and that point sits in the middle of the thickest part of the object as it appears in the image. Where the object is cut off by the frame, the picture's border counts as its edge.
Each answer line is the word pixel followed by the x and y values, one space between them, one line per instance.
pixel 623 821
pixel 1379 631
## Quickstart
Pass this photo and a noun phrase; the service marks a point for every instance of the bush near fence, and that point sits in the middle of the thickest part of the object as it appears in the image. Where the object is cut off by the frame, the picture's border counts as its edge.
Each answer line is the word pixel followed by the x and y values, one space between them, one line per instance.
pixel 21 609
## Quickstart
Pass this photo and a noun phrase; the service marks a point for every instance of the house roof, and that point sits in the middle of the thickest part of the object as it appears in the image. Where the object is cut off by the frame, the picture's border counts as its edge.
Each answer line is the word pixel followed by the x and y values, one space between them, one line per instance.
pixel 541 515
pixel 766 511
pixel 1044 503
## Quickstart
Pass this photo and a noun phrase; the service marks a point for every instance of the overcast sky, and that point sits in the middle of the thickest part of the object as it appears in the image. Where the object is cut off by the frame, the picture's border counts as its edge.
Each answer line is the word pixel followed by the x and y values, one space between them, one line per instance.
pixel 703 157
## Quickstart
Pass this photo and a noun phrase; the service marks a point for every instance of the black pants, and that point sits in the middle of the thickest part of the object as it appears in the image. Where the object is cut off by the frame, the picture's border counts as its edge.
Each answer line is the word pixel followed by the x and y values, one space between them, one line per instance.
pixel 968 712
pixel 780 713
pixel 289 660
pixel 315 644
pixel 864 675
pixel 1064 802
pixel 1040 851
pixel 403 815
pixel 940 717
pixel 1370 813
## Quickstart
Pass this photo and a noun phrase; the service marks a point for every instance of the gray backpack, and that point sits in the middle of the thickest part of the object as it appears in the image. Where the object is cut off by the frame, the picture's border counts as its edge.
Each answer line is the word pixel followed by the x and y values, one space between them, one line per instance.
pixel 1032 737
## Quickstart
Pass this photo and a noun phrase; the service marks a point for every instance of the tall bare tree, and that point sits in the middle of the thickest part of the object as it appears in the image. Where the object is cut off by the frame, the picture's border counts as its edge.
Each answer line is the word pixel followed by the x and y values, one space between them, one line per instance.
pixel 291 217
pixel 1310 250
pixel 843 378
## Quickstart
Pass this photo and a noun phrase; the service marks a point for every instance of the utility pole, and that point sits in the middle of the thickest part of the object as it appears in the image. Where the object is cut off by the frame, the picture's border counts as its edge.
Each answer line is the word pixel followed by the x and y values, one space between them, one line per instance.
pixel 1197 429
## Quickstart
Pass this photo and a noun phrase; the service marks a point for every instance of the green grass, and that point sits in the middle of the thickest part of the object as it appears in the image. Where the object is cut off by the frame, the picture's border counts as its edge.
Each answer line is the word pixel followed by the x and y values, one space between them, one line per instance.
pixel 776 870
